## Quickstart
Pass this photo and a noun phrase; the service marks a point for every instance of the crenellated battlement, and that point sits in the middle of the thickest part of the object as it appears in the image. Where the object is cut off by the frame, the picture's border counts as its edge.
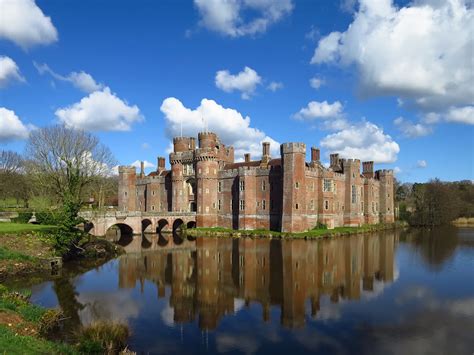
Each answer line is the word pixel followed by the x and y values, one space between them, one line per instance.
pixel 289 148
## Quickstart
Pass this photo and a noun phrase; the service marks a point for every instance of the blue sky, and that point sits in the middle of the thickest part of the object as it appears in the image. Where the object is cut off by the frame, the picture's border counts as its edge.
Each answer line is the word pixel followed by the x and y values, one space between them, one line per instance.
pixel 391 81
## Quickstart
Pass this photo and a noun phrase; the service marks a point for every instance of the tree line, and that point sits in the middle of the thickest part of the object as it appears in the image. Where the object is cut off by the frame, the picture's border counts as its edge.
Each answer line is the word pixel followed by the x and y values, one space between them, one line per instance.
pixel 58 164
pixel 436 202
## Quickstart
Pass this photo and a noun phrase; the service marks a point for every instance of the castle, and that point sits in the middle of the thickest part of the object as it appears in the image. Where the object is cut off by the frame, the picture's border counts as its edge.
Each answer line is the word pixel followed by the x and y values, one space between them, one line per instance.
pixel 284 194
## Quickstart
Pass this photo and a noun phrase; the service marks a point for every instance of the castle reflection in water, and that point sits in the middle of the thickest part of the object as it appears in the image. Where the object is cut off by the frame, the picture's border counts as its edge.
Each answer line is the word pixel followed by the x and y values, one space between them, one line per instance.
pixel 207 275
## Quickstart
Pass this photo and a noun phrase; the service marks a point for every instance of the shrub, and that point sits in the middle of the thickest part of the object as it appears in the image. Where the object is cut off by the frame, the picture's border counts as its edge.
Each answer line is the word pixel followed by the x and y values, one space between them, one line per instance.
pixel 50 322
pixel 23 217
pixel 102 337
pixel 320 226
pixel 47 217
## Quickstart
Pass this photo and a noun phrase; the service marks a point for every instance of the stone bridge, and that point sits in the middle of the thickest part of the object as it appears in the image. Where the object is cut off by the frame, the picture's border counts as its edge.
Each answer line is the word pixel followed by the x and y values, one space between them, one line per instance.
pixel 137 222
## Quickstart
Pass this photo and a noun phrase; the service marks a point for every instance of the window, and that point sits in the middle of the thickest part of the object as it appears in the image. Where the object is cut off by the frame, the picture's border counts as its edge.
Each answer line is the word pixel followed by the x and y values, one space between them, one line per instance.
pixel 219 186
pixel 231 201
pixel 153 192
pixel 152 207
pixel 125 193
pixel 311 205
pixel 219 205
pixel 207 208
pixel 264 187
pixel 362 205
pixel 297 185
pixel 354 194
pixel 161 206
pixel 241 185
pixel 327 185
pixel 326 204
pixel 263 204
pixel 207 191
pixel 242 205
pixel 296 206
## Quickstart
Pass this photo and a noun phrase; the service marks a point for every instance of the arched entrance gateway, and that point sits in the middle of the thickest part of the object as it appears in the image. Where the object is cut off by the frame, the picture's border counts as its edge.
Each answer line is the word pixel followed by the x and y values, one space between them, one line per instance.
pixel 191 194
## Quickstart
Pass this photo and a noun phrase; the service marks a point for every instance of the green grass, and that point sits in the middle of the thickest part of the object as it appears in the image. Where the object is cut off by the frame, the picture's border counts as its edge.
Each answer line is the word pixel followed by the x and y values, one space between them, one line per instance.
pixel 314 233
pixel 6 254
pixel 10 227
pixel 10 343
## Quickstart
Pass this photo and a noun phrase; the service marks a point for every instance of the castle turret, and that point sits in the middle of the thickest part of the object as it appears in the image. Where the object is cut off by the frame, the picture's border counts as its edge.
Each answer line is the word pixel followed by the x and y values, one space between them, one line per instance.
pixel 206 175
pixel 265 153
pixel 294 187
pixel 334 162
pixel 184 144
pixel 386 196
pixel 127 189
pixel 354 193
pixel 160 165
pixel 177 182
pixel 368 169
pixel 207 140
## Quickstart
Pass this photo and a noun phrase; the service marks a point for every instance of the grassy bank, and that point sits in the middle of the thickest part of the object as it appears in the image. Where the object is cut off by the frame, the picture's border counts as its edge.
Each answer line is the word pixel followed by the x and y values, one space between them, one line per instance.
pixel 311 234
pixel 464 222
pixel 26 329
pixel 23 250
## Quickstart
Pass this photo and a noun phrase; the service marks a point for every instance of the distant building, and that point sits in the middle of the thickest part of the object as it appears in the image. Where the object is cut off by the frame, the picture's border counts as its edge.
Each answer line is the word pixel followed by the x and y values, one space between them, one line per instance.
pixel 285 194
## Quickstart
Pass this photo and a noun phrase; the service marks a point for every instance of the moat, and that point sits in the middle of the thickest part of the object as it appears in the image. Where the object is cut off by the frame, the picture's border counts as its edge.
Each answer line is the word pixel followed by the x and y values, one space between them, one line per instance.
pixel 395 292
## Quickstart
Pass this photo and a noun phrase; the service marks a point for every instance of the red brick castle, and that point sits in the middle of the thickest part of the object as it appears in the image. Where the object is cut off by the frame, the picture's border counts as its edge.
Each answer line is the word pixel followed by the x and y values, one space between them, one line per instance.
pixel 285 194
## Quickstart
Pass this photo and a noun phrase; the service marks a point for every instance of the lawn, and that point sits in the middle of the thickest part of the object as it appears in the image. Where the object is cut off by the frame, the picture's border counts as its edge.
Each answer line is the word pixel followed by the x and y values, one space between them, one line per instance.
pixel 9 227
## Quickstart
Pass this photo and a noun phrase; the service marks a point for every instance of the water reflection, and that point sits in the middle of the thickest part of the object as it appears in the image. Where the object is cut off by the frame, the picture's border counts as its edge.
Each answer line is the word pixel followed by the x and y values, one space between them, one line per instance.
pixel 207 275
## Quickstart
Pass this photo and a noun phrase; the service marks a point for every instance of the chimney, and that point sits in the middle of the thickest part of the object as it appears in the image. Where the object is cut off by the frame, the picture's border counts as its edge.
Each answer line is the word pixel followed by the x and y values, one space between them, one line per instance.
pixel 334 162
pixel 161 164
pixel 142 169
pixel 368 169
pixel 265 149
pixel 247 157
pixel 315 154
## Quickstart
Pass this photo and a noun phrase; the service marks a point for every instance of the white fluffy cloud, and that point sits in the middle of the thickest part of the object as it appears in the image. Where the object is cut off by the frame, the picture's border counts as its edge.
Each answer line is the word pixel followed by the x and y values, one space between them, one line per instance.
pixel 412 130
pixel 421 164
pixel 461 115
pixel 321 110
pixel 229 124
pixel 9 71
pixel 316 82
pixel 246 81
pixel 421 52
pixel 274 86
pixel 82 80
pixel 147 164
pixel 11 127
pixel 365 141
pixel 100 111
pixel 23 22
pixel 227 16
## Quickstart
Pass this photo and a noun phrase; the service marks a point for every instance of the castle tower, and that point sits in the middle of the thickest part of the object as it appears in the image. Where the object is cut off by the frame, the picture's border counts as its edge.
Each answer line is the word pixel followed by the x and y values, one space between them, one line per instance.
pixel 354 192
pixel 182 146
pixel 294 187
pixel 127 195
pixel 207 167
pixel 386 196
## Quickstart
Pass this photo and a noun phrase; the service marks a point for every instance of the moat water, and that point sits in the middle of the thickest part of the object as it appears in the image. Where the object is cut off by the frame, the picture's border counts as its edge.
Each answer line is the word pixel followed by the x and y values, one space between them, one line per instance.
pixel 404 292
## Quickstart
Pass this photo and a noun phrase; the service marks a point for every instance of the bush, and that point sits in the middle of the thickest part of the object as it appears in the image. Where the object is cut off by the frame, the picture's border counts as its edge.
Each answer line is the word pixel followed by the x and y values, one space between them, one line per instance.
pixel 320 226
pixel 102 337
pixel 50 322
pixel 23 217
pixel 47 217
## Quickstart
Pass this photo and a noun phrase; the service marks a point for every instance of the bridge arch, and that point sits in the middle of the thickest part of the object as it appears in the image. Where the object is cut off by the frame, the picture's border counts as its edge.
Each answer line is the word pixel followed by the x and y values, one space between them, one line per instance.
pixel 89 227
pixel 162 226
pixel 191 224
pixel 177 224
pixel 147 226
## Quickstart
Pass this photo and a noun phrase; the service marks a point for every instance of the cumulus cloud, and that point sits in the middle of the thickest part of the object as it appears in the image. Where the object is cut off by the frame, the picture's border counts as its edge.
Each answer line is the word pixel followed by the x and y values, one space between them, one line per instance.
pixel 322 110
pixel 81 80
pixel 365 141
pixel 316 82
pixel 9 71
pixel 274 86
pixel 246 81
pixel 227 16
pixel 100 111
pixel 147 164
pixel 421 164
pixel 461 115
pixel 11 127
pixel 421 52
pixel 410 129
pixel 232 128
pixel 25 24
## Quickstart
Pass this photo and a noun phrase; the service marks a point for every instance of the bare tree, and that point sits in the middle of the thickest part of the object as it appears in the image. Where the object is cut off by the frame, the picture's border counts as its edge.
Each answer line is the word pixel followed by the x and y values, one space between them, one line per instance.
pixel 65 161
pixel 10 162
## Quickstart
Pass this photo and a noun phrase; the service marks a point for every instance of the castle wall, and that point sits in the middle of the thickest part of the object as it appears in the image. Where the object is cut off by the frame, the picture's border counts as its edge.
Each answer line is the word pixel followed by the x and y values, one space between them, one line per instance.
pixel 285 194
